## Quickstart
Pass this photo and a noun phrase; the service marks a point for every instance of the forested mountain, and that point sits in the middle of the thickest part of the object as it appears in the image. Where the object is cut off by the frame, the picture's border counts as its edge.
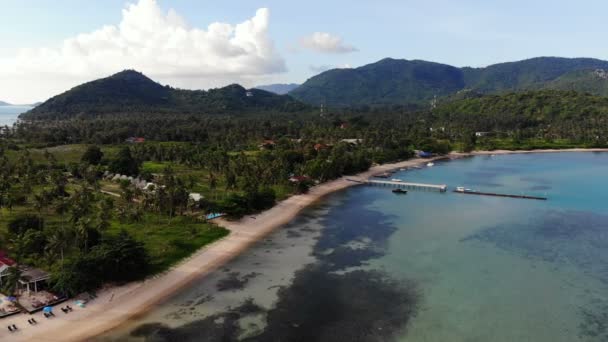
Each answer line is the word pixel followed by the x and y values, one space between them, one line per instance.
pixel 280 89
pixel 586 81
pixel 527 74
pixel 546 114
pixel 386 82
pixel 132 92
pixel 404 82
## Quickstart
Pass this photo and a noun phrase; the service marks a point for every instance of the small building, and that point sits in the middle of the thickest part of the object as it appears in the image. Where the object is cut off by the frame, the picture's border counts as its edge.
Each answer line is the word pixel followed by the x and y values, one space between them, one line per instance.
pixel 33 279
pixel 352 141
pixel 135 140
pixel 423 154
pixel 299 179
pixel 481 134
pixel 267 145
pixel 319 147
pixel 5 264
pixel 195 196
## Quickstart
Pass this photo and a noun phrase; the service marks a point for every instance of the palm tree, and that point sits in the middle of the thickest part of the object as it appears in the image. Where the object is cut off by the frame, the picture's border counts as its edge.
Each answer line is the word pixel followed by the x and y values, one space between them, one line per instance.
pixel 13 276
pixel 40 202
pixel 60 240
pixel 82 232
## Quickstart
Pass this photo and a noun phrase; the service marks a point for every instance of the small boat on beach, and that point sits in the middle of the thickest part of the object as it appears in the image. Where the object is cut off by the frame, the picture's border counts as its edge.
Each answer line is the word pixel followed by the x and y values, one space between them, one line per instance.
pixel 399 191
pixel 430 164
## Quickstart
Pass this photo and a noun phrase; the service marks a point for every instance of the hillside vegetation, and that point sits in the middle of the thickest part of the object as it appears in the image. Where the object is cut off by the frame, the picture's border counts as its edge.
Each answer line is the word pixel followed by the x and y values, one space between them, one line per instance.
pixel 403 82
pixel 130 92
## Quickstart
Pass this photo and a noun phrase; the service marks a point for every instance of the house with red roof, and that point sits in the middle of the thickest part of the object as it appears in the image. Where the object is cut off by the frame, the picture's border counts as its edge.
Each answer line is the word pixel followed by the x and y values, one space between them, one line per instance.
pixel 5 264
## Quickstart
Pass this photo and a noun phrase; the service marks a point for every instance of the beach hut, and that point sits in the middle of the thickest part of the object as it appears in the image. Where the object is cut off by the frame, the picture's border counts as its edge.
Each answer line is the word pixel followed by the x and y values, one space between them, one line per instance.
pixel 33 278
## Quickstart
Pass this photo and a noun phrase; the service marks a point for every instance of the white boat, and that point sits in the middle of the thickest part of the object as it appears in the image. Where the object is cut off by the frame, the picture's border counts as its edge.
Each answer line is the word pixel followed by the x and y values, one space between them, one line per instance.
pixel 463 189
pixel 396 180
pixel 430 164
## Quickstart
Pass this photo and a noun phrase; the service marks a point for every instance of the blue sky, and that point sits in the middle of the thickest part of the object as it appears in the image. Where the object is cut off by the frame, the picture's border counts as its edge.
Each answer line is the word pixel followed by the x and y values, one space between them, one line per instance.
pixel 461 33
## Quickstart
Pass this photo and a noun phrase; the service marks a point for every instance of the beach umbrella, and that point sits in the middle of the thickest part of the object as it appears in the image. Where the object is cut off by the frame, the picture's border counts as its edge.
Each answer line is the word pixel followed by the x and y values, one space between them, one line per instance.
pixel 11 299
pixel 47 309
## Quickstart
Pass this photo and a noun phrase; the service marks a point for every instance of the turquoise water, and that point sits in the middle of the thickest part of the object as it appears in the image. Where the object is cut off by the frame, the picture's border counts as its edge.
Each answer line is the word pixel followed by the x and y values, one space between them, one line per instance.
pixel 368 265
pixel 10 114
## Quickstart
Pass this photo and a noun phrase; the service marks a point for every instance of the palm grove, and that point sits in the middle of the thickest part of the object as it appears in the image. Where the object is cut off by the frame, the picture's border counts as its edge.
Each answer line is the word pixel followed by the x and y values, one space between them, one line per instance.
pixel 61 209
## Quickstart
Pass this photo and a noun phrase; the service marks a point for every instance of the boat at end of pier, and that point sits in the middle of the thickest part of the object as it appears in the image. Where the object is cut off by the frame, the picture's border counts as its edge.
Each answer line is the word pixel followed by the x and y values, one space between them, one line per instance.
pixel 399 191
pixel 464 190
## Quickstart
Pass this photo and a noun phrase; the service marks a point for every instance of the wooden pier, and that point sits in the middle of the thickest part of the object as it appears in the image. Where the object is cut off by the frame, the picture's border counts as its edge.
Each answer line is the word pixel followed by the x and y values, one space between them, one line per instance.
pixel 408 185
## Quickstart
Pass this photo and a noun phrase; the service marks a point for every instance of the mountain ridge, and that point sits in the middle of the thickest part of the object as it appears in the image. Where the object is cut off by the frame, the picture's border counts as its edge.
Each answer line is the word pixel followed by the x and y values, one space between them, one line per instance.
pixel 415 82
pixel 130 91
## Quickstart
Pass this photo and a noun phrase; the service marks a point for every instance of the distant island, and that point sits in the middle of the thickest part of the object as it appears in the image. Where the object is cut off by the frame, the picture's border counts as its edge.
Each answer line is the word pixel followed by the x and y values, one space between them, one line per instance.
pixel 2 103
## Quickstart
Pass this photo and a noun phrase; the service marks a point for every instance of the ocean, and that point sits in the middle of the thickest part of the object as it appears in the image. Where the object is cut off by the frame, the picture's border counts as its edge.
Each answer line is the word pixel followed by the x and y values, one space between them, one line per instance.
pixel 10 114
pixel 368 265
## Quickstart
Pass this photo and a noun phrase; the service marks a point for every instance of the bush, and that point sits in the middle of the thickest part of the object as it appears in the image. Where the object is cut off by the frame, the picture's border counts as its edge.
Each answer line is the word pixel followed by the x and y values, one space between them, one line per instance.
pixel 116 259
pixel 92 155
pixel 23 223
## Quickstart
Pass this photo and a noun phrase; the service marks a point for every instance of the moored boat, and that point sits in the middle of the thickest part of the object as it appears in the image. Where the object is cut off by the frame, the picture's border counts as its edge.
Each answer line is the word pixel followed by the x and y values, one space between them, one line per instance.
pixel 399 191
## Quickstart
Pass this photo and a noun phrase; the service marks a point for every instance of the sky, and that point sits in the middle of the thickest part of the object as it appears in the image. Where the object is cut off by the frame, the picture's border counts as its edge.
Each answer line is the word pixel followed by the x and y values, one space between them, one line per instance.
pixel 50 46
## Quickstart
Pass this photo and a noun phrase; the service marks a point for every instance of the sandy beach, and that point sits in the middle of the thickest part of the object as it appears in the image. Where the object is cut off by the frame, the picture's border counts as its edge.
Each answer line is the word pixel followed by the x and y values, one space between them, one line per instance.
pixel 117 305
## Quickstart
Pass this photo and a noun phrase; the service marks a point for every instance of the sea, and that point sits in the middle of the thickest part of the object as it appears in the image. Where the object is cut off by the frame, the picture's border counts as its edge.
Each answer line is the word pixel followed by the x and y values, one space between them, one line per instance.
pixel 366 264
pixel 10 114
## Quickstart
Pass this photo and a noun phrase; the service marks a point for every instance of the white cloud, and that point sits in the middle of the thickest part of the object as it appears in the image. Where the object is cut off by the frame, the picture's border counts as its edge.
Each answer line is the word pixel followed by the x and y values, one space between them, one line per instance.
pixel 160 44
pixel 326 43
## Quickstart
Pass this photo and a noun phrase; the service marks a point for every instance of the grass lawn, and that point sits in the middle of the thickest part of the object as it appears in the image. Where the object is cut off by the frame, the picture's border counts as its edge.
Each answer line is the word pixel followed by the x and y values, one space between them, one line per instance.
pixel 169 241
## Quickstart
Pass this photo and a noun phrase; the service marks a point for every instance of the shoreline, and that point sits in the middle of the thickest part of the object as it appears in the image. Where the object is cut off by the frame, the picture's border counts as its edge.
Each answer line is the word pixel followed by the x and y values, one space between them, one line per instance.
pixel 118 305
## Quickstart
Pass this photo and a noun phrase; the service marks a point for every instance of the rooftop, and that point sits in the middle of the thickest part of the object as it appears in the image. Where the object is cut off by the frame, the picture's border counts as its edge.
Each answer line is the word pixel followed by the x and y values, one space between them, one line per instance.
pixel 31 274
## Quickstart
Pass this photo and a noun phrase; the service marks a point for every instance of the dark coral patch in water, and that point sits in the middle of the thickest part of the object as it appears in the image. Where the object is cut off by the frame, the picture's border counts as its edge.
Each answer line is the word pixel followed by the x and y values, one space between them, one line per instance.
pixel 319 306
pixel 234 281
pixel 356 306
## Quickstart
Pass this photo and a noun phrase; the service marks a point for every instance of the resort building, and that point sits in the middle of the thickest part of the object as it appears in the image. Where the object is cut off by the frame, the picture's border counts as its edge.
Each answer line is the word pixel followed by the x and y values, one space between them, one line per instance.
pixel 5 264
pixel 33 279
pixel 352 141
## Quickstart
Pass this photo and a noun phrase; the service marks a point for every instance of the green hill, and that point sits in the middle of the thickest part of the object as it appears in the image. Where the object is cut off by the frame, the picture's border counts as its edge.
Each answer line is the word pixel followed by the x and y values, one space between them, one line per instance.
pixel 527 74
pixel 562 111
pixel 132 92
pixel 403 82
pixel 585 81
pixel 386 82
